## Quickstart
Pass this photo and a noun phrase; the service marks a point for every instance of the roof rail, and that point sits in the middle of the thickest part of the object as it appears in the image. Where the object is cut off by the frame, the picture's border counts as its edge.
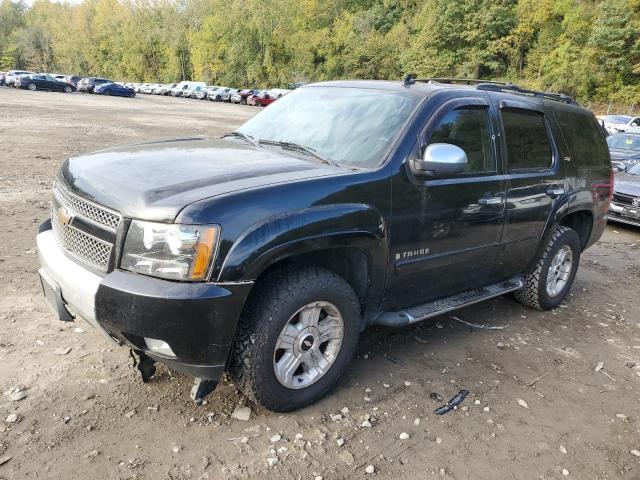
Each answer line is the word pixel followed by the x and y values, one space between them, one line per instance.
pixel 494 86
pixel 464 81
pixel 511 88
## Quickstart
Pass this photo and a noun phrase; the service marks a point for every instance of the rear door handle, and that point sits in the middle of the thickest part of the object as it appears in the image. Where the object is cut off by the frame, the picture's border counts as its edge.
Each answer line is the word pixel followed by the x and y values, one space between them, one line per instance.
pixel 490 200
pixel 555 192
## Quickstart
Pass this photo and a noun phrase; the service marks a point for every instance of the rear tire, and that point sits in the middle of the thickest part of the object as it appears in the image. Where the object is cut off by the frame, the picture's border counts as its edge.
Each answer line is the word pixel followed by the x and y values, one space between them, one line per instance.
pixel 287 353
pixel 550 281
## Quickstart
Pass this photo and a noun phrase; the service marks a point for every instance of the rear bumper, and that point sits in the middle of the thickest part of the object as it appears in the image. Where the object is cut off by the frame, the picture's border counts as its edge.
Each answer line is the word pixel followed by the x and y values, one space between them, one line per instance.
pixel 197 320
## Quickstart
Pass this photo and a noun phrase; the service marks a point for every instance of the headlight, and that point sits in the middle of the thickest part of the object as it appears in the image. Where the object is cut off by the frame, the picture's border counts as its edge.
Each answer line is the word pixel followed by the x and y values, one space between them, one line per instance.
pixel 175 252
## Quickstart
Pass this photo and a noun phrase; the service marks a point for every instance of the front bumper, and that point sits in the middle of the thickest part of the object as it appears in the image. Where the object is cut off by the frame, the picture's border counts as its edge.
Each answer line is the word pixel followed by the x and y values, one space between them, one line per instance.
pixel 623 214
pixel 197 320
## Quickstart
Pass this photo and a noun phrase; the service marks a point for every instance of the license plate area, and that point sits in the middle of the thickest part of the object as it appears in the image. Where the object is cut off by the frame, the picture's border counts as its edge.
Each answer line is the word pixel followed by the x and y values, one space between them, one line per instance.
pixel 632 212
pixel 53 296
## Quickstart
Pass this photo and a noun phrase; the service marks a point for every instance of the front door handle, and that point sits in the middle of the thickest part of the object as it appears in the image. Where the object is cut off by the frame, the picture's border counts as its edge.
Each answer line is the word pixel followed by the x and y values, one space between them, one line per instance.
pixel 555 192
pixel 490 200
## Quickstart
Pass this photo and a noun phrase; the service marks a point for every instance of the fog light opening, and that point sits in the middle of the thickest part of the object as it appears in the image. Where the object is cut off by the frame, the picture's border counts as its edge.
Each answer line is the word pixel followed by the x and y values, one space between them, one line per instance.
pixel 159 346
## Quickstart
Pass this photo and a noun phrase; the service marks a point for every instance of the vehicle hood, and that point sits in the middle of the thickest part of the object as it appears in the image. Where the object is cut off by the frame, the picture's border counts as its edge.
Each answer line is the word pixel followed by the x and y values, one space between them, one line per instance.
pixel 623 154
pixel 154 181
pixel 627 184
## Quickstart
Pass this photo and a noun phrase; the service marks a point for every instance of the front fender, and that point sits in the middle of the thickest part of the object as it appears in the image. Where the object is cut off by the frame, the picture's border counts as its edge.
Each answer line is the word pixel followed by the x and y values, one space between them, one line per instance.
pixel 303 231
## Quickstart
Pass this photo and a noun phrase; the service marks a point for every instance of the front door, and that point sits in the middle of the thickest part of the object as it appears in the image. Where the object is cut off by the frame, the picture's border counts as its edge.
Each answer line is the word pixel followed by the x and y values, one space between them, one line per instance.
pixel 445 232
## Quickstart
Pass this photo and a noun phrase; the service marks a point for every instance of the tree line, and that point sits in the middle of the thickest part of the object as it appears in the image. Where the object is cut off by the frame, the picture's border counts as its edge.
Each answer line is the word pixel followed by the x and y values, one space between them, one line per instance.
pixel 586 48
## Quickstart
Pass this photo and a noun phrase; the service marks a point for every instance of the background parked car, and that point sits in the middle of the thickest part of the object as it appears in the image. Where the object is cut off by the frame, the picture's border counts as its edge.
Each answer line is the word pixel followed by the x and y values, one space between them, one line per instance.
pixel 165 89
pixel 42 81
pixel 193 89
pixel 624 149
pixel 226 97
pixel 10 77
pixel 242 95
pixel 114 89
pixel 179 88
pixel 215 95
pixel 620 123
pixel 202 93
pixel 625 203
pixel 72 80
pixel 89 83
pixel 2 75
pixel 261 99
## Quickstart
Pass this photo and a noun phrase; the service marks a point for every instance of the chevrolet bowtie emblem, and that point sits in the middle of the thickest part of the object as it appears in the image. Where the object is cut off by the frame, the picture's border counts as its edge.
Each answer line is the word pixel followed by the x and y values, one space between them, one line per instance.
pixel 64 216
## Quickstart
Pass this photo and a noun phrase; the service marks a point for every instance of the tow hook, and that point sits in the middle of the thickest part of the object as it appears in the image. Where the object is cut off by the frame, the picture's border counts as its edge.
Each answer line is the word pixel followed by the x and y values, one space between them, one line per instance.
pixel 201 388
pixel 145 364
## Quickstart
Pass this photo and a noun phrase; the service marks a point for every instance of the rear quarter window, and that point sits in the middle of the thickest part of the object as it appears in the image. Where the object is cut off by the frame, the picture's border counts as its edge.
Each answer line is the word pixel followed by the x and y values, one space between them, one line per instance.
pixel 584 138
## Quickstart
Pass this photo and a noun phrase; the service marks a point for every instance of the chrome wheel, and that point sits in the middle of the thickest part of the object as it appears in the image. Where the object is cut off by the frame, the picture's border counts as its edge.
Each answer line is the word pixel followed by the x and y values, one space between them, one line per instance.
pixel 559 271
pixel 308 345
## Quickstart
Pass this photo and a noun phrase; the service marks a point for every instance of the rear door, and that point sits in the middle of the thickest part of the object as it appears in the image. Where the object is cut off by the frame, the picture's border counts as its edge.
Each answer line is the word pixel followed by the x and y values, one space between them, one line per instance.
pixel 535 180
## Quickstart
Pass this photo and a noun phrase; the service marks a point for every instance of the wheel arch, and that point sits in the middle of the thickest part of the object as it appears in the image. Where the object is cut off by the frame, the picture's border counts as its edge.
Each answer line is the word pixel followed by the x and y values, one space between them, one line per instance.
pixel 349 240
pixel 577 216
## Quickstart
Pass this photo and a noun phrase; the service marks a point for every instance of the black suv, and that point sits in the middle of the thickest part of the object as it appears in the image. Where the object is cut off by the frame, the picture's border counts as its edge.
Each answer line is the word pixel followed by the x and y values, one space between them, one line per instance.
pixel 266 252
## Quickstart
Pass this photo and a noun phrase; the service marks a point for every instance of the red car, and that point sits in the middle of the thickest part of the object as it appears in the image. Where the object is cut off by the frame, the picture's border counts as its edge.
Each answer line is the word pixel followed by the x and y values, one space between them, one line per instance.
pixel 261 99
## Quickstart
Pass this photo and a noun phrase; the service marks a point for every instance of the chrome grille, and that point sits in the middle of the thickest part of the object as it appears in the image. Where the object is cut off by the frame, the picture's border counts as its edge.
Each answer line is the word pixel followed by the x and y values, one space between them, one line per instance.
pixel 86 248
pixel 107 219
pixel 623 199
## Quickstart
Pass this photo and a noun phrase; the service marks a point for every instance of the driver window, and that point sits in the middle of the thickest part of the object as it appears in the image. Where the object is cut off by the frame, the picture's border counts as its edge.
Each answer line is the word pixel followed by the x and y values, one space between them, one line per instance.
pixel 636 122
pixel 468 128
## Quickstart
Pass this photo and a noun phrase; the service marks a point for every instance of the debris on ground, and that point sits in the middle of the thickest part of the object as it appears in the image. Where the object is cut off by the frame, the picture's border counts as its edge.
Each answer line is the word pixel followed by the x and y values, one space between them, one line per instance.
pixel 436 397
pixel 453 403
pixel 522 403
pixel 16 394
pixel 241 413
pixel 12 418
pixel 475 325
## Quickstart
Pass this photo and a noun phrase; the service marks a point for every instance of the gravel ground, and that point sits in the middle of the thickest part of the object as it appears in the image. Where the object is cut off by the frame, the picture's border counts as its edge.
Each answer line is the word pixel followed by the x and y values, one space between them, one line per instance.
pixel 538 409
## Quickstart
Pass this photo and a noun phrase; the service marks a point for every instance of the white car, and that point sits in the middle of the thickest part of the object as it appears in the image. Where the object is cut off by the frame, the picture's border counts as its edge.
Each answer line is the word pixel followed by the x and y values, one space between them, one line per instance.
pixel 184 88
pixel 620 123
pixel 11 75
pixel 192 90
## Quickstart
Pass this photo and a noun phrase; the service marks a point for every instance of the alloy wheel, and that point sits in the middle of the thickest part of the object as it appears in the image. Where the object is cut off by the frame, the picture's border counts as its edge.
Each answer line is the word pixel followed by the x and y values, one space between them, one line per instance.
pixel 559 270
pixel 308 345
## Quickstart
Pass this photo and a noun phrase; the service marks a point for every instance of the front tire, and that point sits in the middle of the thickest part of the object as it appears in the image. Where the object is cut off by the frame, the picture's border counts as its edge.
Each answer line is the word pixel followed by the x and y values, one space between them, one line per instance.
pixel 550 282
pixel 296 337
pixel 32 86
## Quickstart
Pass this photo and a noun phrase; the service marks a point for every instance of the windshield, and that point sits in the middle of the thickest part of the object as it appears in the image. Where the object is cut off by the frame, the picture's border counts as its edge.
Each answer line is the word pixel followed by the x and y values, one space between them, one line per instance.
pixel 352 127
pixel 624 142
pixel 617 118
pixel 635 170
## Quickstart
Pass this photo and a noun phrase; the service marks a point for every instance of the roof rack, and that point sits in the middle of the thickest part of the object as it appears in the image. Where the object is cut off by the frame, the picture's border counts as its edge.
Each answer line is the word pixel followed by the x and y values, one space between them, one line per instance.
pixel 494 86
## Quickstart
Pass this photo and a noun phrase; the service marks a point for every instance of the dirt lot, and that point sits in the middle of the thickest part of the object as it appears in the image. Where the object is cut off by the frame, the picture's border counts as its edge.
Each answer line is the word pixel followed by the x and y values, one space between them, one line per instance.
pixel 87 415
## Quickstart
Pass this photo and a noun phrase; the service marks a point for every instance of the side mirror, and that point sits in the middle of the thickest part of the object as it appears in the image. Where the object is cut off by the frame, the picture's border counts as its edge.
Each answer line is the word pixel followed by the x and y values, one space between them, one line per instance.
pixel 621 167
pixel 439 160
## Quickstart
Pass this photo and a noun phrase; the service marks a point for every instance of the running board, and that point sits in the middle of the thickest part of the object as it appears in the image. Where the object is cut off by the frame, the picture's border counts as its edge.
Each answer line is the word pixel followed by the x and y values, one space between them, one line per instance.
pixel 444 305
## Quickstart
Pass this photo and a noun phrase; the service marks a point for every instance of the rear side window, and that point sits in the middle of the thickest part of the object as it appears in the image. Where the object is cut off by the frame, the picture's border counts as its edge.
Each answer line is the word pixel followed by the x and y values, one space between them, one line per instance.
pixel 468 128
pixel 584 138
pixel 527 140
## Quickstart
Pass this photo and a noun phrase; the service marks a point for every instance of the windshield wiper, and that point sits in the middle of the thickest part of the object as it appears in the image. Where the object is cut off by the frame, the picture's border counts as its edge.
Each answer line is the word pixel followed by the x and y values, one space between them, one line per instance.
pixel 244 136
pixel 298 148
